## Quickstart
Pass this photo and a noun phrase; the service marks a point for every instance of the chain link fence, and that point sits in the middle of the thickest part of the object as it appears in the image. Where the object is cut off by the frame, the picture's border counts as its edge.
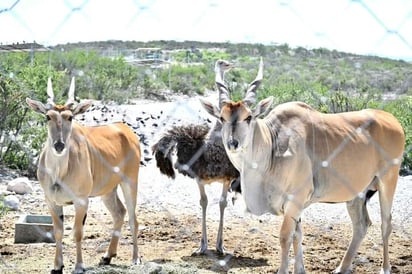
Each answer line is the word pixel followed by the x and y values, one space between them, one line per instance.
pixel 173 216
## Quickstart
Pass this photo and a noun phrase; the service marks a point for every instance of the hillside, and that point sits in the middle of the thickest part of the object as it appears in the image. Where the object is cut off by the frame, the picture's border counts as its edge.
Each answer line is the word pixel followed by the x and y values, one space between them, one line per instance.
pixel 335 70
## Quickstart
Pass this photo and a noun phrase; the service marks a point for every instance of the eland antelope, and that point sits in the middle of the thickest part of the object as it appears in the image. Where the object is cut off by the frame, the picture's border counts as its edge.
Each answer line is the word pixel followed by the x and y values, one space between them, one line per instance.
pixel 79 162
pixel 296 156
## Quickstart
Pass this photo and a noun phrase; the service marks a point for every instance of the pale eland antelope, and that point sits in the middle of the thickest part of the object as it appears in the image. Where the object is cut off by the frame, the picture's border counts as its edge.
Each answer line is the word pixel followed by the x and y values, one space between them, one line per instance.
pixel 79 162
pixel 296 156
pixel 200 154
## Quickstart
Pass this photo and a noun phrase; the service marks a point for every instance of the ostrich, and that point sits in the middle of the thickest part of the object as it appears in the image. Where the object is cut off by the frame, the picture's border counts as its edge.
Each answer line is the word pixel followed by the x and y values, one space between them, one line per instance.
pixel 221 67
pixel 200 155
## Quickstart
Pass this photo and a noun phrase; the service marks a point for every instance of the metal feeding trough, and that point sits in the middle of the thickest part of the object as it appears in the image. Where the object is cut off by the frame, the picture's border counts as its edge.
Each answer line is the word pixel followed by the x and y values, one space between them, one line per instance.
pixel 34 229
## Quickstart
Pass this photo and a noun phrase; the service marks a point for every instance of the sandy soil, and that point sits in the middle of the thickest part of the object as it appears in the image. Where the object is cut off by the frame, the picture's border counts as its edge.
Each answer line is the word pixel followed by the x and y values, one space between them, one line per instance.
pixel 169 217
pixel 170 220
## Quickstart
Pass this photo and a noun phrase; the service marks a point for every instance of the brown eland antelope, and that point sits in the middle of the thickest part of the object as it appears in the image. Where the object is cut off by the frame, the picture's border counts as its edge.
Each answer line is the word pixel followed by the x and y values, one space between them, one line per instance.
pixel 79 162
pixel 296 156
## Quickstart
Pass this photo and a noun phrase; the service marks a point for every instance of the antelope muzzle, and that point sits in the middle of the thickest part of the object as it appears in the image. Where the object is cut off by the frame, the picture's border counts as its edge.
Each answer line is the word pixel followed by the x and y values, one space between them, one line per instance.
pixel 59 146
pixel 232 144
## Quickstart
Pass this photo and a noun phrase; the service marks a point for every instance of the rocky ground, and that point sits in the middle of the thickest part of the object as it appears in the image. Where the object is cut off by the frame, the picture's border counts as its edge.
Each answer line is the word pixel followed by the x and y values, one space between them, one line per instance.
pixel 169 217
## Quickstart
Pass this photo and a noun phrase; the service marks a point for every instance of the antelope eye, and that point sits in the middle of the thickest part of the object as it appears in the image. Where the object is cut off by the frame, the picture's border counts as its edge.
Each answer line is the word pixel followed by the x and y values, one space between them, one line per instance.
pixel 70 118
pixel 222 120
pixel 48 117
pixel 248 119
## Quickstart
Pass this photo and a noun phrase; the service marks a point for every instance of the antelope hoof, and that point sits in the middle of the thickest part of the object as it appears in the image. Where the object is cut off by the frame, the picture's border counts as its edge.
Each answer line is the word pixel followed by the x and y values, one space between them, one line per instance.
pixel 59 271
pixel 105 260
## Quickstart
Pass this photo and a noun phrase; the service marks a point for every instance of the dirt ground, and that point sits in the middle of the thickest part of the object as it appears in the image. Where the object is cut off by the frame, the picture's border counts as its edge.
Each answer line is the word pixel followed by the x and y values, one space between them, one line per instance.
pixel 170 223
pixel 169 240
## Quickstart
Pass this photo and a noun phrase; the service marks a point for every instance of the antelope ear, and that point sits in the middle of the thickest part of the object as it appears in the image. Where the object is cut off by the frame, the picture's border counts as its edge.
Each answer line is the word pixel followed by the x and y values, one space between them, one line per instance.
pixel 36 106
pixel 82 107
pixel 210 108
pixel 263 107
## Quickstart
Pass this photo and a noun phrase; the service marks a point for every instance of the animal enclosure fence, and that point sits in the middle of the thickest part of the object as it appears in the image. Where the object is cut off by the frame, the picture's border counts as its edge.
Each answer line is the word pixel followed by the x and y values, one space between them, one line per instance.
pixel 150 120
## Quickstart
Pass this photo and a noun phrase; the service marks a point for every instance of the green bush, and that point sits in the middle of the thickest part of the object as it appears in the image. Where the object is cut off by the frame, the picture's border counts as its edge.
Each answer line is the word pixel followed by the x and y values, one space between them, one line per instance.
pixel 18 81
pixel 402 109
pixel 191 79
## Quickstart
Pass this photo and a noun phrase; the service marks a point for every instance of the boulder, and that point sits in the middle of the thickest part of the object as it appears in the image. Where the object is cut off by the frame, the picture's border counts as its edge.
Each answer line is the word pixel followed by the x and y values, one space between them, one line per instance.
pixel 12 202
pixel 20 185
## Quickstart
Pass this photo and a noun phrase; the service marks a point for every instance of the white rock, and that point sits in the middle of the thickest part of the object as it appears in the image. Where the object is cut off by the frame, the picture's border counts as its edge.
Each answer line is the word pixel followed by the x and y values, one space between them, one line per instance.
pixel 12 202
pixel 20 185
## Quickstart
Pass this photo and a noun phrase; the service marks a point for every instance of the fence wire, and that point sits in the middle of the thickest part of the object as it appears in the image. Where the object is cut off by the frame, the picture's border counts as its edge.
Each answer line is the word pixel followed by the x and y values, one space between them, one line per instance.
pixel 150 121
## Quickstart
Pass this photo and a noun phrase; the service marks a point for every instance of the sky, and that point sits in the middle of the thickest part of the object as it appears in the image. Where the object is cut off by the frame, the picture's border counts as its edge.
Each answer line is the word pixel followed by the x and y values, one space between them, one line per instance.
pixel 370 27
